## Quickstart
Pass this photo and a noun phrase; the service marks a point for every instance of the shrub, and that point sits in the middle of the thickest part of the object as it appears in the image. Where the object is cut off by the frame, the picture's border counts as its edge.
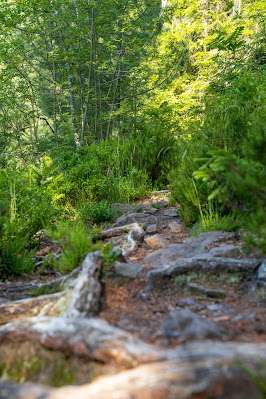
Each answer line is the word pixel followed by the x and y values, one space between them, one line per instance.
pixel 75 242
pixel 98 212
pixel 14 258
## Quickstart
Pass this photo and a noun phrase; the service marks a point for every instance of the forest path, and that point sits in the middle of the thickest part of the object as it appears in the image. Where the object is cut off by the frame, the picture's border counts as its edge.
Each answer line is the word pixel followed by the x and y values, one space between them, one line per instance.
pixel 185 314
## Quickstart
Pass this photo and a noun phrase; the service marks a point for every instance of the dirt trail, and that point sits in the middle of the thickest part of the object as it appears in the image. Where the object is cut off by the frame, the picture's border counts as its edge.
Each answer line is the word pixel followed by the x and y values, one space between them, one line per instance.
pixel 181 312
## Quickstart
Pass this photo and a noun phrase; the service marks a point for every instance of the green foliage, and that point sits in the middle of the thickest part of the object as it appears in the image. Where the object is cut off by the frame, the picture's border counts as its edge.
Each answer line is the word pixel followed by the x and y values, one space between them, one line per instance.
pixel 211 220
pixel 110 255
pixel 97 212
pixel 44 290
pixel 259 378
pixel 190 195
pixel 75 242
pixel 130 98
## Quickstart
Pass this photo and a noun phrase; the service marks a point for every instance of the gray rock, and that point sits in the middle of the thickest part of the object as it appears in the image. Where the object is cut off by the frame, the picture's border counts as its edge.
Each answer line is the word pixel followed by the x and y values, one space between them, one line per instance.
pixel 145 219
pixel 220 309
pixel 153 229
pixel 261 276
pixel 157 241
pixel 171 213
pixel 191 248
pixel 121 209
pixel 210 292
pixel 161 274
pixel 186 325
pixel 160 204
pixel 128 269
pixel 176 227
pixel 226 251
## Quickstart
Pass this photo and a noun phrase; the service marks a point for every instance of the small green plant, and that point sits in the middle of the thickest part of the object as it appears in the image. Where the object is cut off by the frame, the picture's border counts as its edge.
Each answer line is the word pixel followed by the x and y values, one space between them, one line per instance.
pixel 156 205
pixel 75 242
pixel 110 255
pixel 44 290
pixel 259 378
pixel 214 222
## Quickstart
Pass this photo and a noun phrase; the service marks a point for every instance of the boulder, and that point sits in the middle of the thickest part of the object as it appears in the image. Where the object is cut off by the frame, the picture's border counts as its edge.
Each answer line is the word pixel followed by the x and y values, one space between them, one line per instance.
pixel 163 274
pixel 186 325
pixel 143 218
pixel 191 248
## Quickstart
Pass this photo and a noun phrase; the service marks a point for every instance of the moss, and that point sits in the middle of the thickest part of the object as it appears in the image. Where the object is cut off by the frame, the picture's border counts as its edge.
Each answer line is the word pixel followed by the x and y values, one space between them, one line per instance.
pixel 40 365
pixel 224 280
pixel 24 369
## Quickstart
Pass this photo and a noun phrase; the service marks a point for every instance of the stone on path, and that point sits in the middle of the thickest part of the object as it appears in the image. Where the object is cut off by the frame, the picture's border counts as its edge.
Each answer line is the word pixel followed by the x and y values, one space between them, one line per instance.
pixel 143 218
pixel 176 227
pixel 191 248
pixel 261 275
pixel 186 325
pixel 163 274
pixel 157 241
pixel 170 213
pixel 130 270
pixel 153 229
pixel 226 251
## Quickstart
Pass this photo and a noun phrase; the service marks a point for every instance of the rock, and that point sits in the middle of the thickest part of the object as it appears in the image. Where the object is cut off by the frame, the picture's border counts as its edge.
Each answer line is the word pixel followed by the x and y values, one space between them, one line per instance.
pixel 121 209
pixel 161 192
pixel 176 227
pixel 163 274
pixel 220 308
pixel 226 251
pixel 186 325
pixel 153 229
pixel 128 269
pixel 191 248
pixel 212 293
pixel 160 204
pixel 143 218
pixel 198 370
pixel 130 236
pixel 157 241
pixel 171 213
pixel 42 237
pixel 122 230
pixel 261 275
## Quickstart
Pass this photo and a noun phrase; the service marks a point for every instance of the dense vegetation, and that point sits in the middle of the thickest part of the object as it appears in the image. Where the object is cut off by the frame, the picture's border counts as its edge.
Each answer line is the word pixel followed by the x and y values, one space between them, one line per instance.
pixel 103 101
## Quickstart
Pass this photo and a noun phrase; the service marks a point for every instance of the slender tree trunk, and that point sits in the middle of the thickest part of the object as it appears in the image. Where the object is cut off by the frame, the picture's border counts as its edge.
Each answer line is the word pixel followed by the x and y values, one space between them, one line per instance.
pixel 84 119
pixel 236 8
pixel 71 97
